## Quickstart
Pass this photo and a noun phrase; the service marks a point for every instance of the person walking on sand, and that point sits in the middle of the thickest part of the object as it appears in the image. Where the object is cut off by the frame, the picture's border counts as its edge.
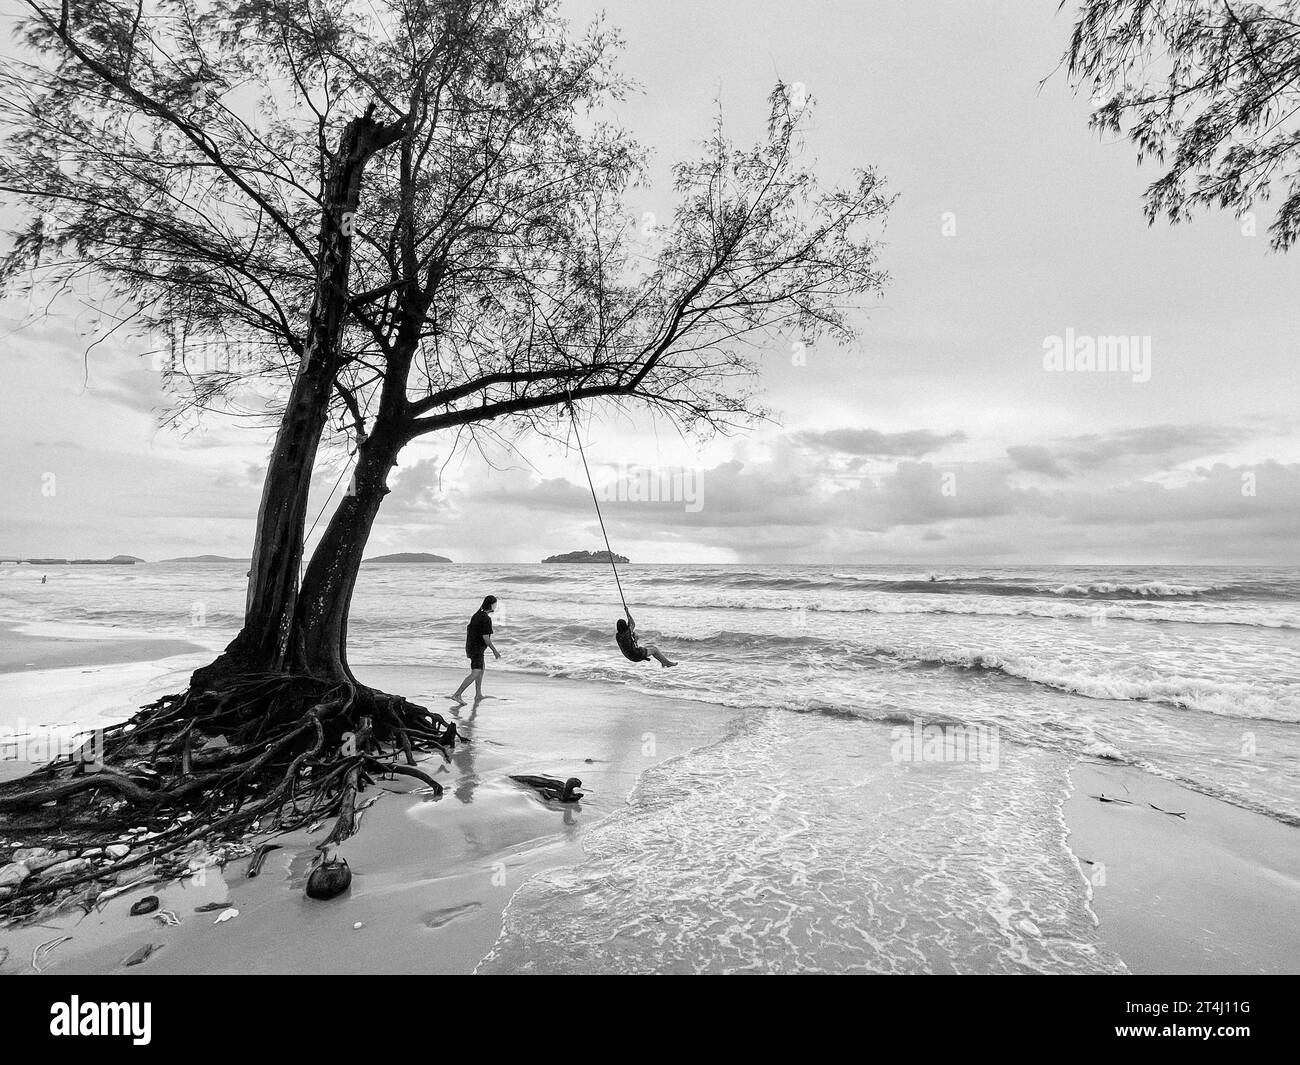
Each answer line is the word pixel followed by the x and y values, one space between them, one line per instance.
pixel 478 639
pixel 633 651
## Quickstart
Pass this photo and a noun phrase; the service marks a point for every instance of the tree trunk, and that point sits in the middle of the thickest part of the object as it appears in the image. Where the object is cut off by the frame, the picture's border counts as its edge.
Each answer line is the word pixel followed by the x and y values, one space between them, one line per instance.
pixel 321 628
pixel 263 644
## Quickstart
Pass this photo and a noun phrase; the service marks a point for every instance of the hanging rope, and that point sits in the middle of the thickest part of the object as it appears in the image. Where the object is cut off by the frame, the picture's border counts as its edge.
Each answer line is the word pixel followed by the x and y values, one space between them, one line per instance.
pixel 599 517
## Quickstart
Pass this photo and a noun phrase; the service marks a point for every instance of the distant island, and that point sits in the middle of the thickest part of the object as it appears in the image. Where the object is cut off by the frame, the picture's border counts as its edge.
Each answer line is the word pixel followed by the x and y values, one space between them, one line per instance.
pixel 206 558
pixel 587 556
pixel 116 560
pixel 409 557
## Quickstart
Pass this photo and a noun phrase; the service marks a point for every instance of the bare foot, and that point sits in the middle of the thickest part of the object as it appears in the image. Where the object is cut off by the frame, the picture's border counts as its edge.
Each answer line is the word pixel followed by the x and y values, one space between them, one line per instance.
pixel 669 665
pixel 457 700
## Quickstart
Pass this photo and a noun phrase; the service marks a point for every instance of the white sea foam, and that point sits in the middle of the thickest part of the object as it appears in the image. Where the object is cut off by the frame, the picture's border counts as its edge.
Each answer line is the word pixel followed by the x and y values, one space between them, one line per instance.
pixel 1144 589
pixel 730 859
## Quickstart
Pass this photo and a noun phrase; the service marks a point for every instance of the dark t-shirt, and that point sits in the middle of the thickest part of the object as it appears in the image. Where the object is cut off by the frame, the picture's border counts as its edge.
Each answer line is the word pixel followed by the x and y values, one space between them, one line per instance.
pixel 480 625
pixel 630 648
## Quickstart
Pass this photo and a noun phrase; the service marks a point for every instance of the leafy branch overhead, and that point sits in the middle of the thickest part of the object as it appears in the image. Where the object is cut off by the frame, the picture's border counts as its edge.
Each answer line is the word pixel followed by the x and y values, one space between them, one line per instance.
pixel 177 153
pixel 1208 92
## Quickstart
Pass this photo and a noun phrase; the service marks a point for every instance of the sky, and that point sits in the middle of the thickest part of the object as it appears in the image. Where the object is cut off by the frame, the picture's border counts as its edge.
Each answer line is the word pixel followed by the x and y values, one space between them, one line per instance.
pixel 940 438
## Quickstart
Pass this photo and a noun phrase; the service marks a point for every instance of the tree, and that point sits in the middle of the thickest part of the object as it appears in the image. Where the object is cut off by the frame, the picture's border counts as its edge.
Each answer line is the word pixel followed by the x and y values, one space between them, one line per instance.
pixel 754 243
pixel 1208 90
pixel 481 269
pixel 162 156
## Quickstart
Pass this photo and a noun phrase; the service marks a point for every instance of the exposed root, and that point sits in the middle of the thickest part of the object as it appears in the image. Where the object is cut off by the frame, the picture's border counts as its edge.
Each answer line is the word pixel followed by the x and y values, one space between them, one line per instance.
pixel 409 771
pixel 347 819
pixel 263 752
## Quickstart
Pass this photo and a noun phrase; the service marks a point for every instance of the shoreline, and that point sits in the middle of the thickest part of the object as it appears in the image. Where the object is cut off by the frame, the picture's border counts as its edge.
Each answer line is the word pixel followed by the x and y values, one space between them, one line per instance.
pixel 54 686
pixel 1204 893
pixel 22 650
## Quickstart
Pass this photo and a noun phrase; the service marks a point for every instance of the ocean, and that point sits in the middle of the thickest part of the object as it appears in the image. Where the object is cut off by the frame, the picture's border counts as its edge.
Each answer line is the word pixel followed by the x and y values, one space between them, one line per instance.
pixel 989 683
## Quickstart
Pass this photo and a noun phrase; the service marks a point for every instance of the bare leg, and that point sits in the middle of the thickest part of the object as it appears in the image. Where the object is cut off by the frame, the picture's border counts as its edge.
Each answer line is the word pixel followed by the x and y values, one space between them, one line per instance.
pixel 478 684
pixel 659 656
pixel 474 676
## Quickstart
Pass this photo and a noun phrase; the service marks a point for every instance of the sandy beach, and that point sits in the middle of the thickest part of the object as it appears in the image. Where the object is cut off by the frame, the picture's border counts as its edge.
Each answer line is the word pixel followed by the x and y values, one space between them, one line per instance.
pixel 1215 891
pixel 431 877
pixel 1210 892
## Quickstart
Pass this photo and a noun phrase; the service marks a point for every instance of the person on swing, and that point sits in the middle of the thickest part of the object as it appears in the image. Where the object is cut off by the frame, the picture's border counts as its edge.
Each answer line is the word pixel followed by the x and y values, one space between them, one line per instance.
pixel 633 651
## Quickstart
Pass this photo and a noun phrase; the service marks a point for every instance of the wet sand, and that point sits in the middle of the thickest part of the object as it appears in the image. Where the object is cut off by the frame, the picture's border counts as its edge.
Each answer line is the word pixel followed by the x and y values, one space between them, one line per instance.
pixel 431 878
pixel 1216 891
pixel 23 649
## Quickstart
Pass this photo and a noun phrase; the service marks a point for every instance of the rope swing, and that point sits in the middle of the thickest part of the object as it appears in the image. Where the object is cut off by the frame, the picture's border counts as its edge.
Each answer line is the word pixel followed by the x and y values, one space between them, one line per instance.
pixel 596 502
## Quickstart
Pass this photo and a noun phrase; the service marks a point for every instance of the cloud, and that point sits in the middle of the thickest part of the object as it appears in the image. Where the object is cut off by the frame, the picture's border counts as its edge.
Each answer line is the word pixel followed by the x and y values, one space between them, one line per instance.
pixel 836 493
pixel 785 508
pixel 1034 458
pixel 1243 495
pixel 421 488
pixel 1165 445
pixel 872 442
pixel 1152 441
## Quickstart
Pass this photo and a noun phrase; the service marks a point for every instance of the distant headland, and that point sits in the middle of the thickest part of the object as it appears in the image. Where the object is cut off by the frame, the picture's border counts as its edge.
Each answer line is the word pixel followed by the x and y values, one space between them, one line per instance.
pixel 206 558
pixel 409 557
pixel 587 556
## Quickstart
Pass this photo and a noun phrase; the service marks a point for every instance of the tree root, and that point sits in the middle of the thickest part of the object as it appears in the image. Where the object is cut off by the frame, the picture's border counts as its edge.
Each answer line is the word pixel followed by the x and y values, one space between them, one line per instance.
pixel 261 752
pixel 347 819
pixel 409 771
pixel 66 788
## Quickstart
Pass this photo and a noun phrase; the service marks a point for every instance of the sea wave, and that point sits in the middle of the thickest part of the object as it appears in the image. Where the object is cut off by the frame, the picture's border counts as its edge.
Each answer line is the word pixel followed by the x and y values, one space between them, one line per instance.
pixel 537 578
pixel 1223 699
pixel 983 585
pixel 1160 611
pixel 1091 679
pixel 1142 590
pixel 1163 612
pixel 1099 590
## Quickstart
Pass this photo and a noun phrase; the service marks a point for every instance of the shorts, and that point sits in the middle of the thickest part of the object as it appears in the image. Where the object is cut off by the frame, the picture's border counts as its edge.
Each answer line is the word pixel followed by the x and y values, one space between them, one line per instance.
pixel 476 661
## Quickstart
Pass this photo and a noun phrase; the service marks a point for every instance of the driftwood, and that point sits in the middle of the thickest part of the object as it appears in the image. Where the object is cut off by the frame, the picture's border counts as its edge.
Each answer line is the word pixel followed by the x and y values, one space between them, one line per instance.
pixel 259 856
pixel 1127 802
pixel 551 788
